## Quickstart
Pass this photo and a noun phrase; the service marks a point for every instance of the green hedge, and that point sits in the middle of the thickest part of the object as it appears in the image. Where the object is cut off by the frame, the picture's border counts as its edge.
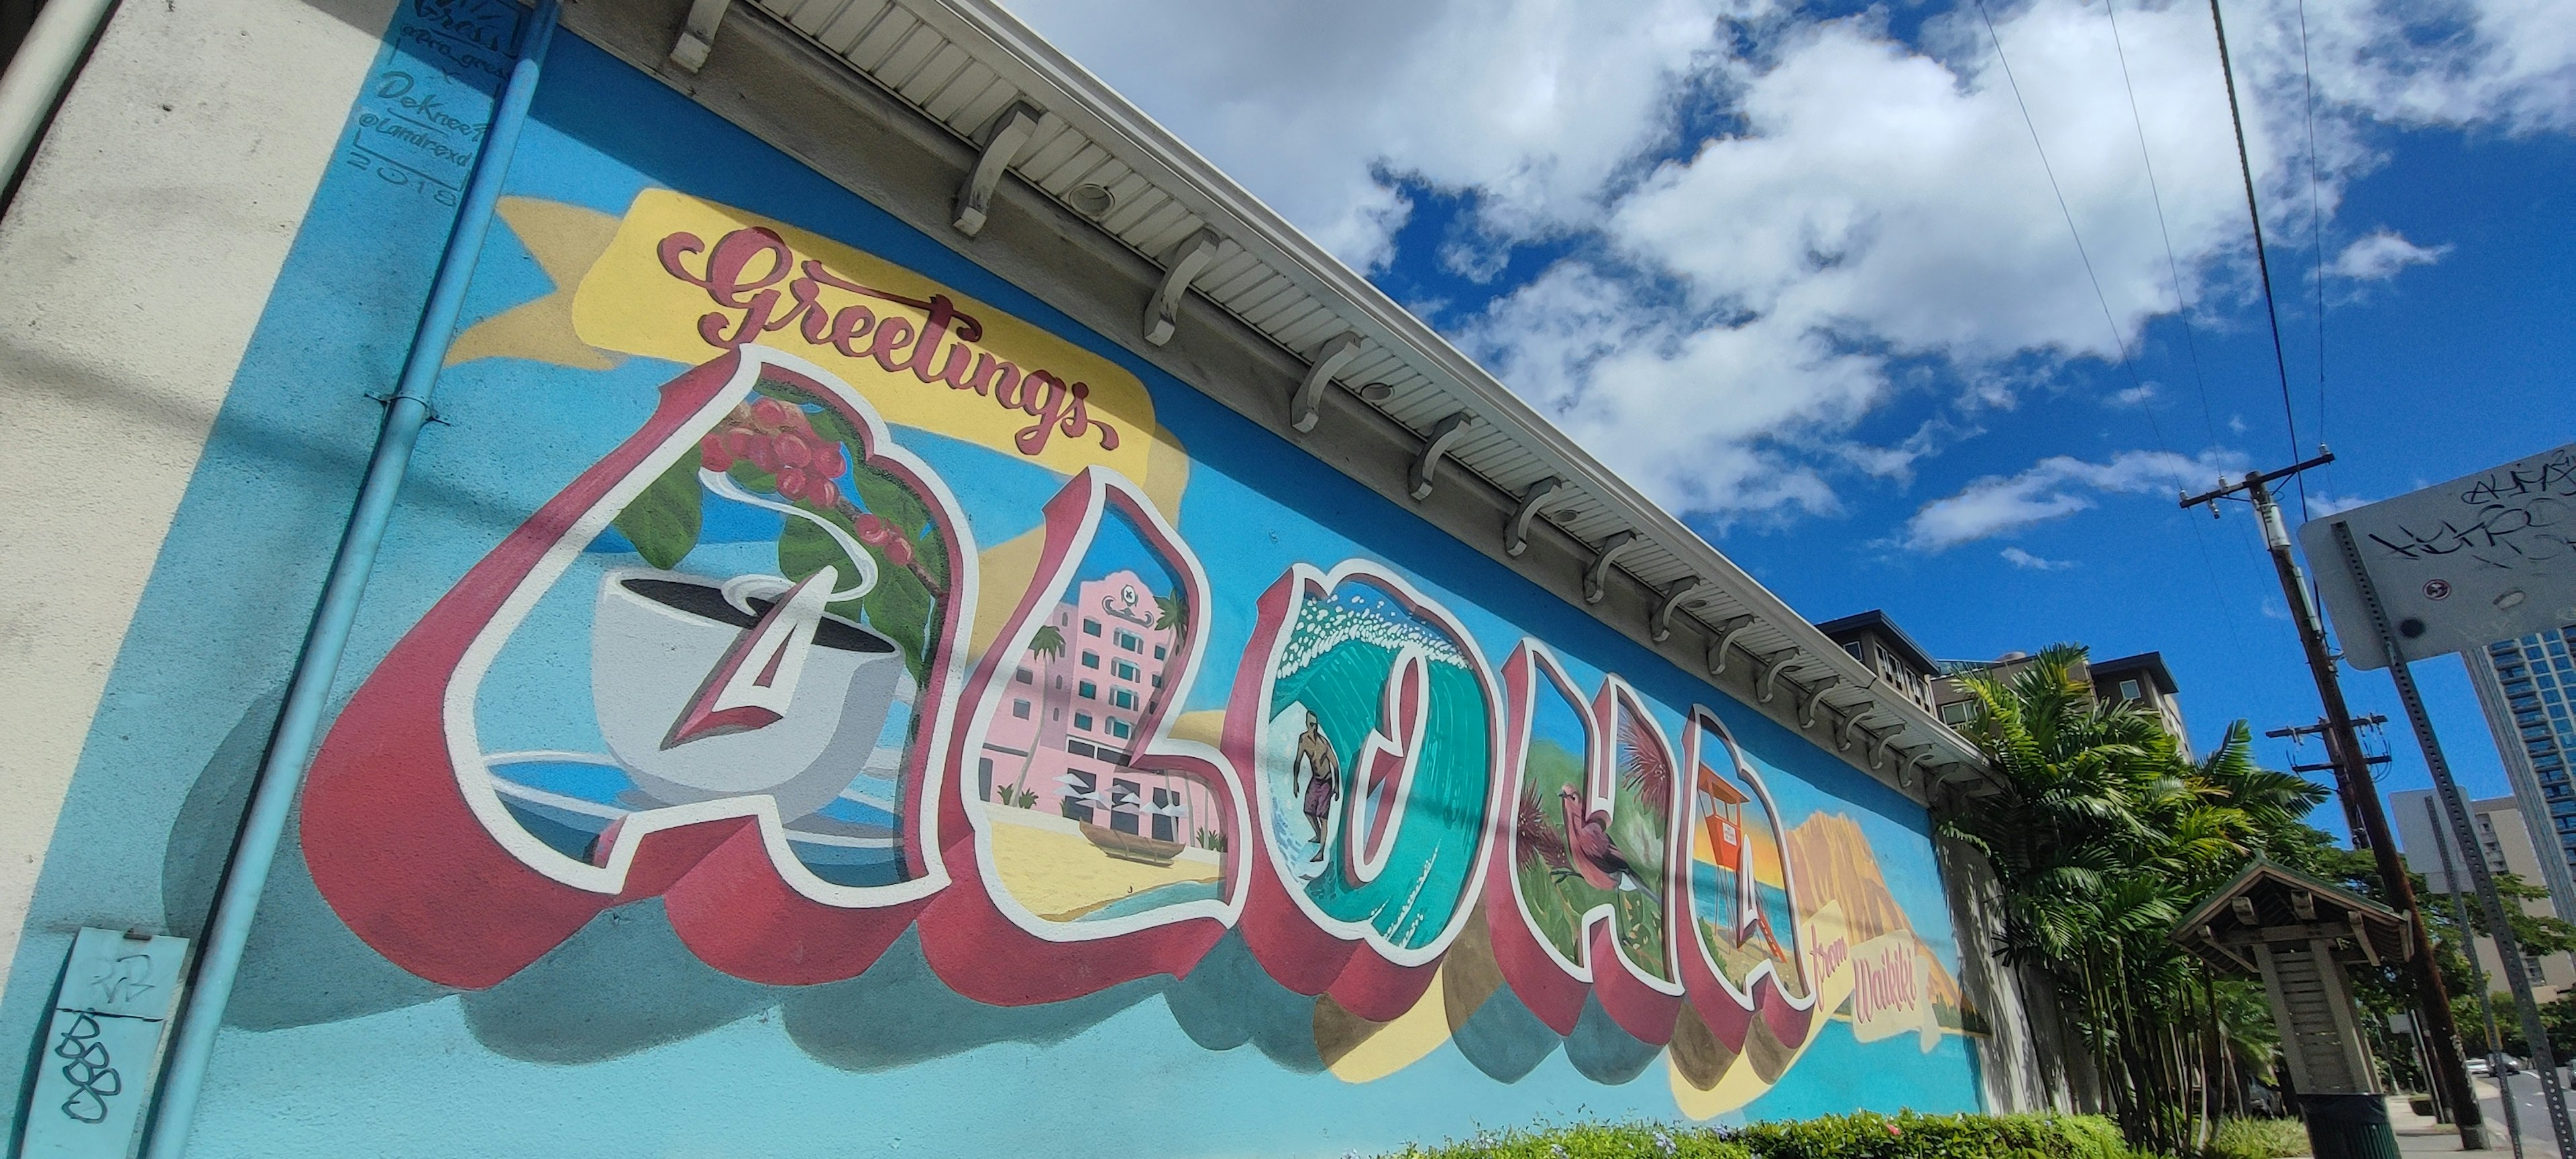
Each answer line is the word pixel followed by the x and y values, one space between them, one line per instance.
pixel 2259 1139
pixel 1865 1135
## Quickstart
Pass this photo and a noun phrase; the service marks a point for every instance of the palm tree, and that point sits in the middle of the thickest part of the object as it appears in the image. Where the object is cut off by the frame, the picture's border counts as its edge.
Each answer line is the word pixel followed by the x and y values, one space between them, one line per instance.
pixel 2106 833
pixel 1171 614
pixel 1047 642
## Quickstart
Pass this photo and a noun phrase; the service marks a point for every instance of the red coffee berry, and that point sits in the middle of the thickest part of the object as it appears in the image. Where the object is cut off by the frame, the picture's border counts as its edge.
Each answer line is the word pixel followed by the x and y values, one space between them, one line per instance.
pixel 769 412
pixel 792 451
pixel 712 453
pixel 791 483
pixel 873 530
pixel 820 492
pixel 827 461
pixel 764 453
pixel 899 550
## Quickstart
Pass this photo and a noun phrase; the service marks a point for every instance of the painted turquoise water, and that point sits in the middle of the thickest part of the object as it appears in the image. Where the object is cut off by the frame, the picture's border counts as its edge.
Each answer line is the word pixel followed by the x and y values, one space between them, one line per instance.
pixel 1713 899
pixel 1156 898
pixel 1435 851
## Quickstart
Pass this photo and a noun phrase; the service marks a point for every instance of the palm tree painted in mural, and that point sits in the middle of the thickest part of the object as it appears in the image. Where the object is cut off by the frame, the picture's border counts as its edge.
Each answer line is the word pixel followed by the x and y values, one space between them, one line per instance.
pixel 1172 614
pixel 1047 642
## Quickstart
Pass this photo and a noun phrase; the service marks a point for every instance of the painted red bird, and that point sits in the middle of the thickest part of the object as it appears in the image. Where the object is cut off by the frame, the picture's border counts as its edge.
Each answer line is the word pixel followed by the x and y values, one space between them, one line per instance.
pixel 1595 858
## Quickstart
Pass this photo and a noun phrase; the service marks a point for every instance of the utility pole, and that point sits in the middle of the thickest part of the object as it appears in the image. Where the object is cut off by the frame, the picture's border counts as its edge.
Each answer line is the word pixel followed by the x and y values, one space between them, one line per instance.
pixel 2351 811
pixel 2352 779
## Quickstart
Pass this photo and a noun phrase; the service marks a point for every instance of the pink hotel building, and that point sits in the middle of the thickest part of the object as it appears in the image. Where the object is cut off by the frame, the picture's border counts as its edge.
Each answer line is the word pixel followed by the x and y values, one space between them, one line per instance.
pixel 1071 720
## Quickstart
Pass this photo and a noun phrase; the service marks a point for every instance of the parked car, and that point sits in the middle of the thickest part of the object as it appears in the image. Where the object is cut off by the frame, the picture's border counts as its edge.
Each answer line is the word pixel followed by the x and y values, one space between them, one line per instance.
pixel 2480 1068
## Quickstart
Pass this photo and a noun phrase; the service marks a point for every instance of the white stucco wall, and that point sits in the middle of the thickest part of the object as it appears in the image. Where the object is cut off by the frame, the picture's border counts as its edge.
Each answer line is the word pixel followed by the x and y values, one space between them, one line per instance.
pixel 140 251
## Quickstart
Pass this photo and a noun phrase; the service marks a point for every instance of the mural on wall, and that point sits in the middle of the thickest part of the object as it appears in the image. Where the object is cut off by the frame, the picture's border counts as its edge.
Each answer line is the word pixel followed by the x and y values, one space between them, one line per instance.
pixel 809 672
pixel 767 663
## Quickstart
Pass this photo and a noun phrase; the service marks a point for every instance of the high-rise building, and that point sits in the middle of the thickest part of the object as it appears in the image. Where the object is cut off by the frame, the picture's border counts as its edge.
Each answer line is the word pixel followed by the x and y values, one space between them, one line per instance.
pixel 2508 842
pixel 2524 685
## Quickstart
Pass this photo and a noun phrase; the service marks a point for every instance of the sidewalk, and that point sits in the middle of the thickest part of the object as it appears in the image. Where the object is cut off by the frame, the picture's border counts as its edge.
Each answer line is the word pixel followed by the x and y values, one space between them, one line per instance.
pixel 2422 1135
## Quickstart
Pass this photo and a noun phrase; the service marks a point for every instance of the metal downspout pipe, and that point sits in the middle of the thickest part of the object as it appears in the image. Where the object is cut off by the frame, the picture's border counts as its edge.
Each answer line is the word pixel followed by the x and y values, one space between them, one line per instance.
pixel 37 76
pixel 308 691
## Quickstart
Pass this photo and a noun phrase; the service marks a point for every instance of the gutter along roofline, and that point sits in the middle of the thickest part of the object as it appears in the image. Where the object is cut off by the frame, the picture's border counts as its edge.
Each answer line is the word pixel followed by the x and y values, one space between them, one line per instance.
pixel 971 69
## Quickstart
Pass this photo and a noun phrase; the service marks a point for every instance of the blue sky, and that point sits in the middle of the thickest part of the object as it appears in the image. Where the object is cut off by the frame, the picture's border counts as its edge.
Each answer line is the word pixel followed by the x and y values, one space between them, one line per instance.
pixel 1800 273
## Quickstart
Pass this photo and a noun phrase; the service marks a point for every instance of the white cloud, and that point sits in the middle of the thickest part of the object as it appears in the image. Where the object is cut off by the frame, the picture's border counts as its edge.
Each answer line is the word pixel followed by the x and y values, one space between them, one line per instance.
pixel 2134 396
pixel 2053 487
pixel 1739 303
pixel 2380 255
pixel 1689 413
pixel 2019 558
pixel 1534 104
pixel 2321 504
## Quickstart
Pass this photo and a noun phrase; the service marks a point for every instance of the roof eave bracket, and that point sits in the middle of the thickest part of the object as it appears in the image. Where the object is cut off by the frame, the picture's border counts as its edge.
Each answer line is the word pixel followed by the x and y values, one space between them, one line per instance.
pixel 1596 582
pixel 1771 671
pixel 1443 436
pixel 698 34
pixel 1308 404
pixel 1189 259
pixel 1673 597
pixel 1726 637
pixel 1816 700
pixel 1516 540
pixel 1918 759
pixel 1008 133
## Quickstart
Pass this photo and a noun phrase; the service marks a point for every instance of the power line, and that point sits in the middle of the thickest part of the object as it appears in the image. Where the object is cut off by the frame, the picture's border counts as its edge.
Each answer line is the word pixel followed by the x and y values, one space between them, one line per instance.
pixel 2121 344
pixel 2182 304
pixel 2145 405
pixel 2263 263
pixel 2316 216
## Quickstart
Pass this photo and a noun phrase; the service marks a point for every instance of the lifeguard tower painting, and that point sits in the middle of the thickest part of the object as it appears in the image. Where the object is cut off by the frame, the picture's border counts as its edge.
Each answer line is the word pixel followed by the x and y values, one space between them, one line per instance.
pixel 1739 878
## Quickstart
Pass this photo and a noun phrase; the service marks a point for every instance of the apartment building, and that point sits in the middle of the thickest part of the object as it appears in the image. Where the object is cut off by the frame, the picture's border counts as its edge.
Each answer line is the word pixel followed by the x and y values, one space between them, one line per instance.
pixel 2142 679
pixel 2505 840
pixel 2523 686
pixel 1890 654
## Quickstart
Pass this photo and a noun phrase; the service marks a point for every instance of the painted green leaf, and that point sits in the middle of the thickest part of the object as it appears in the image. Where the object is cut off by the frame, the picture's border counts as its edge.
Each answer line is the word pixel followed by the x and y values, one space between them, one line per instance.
pixel 662 522
pixel 903 609
pixel 930 550
pixel 803 549
pixel 888 499
pixel 752 477
pixel 829 424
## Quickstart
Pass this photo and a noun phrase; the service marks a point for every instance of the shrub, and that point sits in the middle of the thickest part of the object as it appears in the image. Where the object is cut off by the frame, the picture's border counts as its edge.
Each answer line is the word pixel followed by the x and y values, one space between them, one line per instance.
pixel 1866 1135
pixel 2259 1139
pixel 1587 1141
pixel 1863 1135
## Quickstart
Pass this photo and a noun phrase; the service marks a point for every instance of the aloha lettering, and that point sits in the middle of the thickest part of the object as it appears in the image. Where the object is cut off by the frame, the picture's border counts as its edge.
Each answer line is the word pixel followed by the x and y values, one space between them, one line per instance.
pixel 747 275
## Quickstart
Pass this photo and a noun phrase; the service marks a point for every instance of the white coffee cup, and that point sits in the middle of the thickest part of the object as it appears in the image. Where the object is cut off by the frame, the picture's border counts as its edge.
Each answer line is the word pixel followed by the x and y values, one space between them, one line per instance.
pixel 657 636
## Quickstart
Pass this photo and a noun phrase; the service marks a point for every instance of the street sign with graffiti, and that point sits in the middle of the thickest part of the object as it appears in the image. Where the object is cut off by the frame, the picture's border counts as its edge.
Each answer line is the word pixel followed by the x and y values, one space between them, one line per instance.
pixel 2486 557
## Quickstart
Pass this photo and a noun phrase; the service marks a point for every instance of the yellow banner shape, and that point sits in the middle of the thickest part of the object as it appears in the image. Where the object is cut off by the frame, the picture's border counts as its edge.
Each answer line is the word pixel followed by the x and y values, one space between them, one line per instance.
pixel 686 279
pixel 1892 990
